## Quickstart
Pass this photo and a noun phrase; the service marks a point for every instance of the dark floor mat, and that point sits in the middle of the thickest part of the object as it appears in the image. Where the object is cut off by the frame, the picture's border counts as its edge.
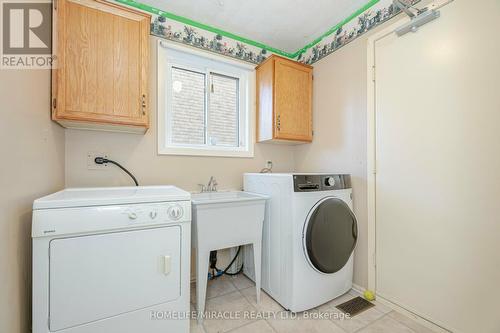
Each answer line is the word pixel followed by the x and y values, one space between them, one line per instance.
pixel 355 306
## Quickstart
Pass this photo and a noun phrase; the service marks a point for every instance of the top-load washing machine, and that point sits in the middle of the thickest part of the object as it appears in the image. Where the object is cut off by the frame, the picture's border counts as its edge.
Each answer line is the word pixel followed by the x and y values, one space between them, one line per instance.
pixel 309 236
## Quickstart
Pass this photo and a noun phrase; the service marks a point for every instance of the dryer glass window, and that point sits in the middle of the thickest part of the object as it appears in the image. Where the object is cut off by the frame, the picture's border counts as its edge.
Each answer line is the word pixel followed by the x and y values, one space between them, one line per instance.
pixel 330 235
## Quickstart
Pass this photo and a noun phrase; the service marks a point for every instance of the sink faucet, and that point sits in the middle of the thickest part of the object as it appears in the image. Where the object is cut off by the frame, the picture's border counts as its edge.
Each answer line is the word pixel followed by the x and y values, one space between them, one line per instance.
pixel 211 186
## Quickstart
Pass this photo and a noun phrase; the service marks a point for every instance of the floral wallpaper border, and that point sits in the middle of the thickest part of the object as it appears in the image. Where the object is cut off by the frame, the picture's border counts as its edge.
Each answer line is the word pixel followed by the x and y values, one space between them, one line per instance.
pixel 377 12
pixel 206 40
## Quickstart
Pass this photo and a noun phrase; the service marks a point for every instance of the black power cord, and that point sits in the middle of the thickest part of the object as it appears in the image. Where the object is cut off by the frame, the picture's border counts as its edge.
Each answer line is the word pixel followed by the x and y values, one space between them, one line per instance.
pixel 230 264
pixel 102 160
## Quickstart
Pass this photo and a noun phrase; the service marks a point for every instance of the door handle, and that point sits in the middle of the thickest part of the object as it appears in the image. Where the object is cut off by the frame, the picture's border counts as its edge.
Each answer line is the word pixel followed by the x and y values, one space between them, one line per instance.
pixel 167 265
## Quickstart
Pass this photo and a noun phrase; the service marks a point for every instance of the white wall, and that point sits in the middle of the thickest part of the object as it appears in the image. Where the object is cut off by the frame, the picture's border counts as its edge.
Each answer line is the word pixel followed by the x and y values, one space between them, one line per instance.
pixel 339 144
pixel 32 150
pixel 139 154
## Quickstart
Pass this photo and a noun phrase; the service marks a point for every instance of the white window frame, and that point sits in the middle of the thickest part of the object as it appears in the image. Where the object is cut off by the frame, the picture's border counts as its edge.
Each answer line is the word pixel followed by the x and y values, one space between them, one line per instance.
pixel 173 55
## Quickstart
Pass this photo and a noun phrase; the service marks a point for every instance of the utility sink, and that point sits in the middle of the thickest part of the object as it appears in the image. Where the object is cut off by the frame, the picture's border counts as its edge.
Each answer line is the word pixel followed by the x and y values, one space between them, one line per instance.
pixel 221 220
pixel 224 197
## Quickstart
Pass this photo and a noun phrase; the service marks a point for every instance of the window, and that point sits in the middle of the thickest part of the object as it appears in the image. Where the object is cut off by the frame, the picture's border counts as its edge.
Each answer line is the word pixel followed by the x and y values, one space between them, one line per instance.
pixel 203 104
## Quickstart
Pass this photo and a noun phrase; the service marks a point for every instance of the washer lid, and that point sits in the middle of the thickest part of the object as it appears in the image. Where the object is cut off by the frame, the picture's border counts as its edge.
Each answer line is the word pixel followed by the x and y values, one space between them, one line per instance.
pixel 85 197
pixel 330 235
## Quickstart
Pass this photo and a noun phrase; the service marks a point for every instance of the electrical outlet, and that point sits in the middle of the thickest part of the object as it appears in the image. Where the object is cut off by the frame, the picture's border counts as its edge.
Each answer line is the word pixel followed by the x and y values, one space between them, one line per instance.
pixel 91 165
pixel 269 164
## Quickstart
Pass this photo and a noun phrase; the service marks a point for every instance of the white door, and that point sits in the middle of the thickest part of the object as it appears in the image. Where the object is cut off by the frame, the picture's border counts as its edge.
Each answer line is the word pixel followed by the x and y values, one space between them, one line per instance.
pixel 98 276
pixel 437 129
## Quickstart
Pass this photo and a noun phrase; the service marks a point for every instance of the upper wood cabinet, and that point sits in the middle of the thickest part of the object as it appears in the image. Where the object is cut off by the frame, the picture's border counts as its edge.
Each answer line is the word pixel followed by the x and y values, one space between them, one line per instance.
pixel 284 101
pixel 101 75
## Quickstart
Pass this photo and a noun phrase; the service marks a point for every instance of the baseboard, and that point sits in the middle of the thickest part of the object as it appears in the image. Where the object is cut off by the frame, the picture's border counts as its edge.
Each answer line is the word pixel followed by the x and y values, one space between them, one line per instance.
pixel 358 288
pixel 422 321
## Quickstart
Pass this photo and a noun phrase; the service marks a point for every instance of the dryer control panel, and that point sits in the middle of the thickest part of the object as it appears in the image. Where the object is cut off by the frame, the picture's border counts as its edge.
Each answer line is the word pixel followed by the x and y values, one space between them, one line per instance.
pixel 320 182
pixel 64 221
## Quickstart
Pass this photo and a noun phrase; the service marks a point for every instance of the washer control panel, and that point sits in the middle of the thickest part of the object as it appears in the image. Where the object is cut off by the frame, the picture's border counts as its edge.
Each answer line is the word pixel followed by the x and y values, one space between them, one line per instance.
pixel 320 182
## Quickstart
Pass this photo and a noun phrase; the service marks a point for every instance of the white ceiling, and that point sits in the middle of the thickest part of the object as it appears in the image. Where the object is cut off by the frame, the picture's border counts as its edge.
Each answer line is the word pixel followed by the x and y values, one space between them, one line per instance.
pixel 287 25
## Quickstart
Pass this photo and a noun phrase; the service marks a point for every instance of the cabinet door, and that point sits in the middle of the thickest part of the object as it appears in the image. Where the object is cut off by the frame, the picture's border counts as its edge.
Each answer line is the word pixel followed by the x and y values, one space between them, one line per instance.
pixel 102 63
pixel 293 101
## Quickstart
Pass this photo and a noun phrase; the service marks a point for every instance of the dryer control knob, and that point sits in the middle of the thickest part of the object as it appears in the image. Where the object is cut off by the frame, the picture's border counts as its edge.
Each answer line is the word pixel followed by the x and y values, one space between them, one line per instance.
pixel 175 212
pixel 330 181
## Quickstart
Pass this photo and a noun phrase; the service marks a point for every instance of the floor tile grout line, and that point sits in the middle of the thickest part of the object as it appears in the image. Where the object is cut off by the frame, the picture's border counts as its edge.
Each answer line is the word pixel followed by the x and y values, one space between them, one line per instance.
pixel 399 321
pixel 247 324
pixel 270 325
pixel 378 319
pixel 341 328
pixel 373 322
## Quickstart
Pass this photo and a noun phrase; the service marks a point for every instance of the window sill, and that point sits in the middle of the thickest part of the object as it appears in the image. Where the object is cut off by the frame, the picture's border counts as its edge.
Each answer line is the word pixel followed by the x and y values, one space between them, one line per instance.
pixel 209 152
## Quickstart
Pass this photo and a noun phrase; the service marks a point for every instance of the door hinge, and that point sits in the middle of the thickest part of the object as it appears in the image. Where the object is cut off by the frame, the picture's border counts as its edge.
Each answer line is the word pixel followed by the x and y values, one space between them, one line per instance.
pixel 54 103
pixel 278 123
pixel 55 4
pixel 373 74
pixel 143 104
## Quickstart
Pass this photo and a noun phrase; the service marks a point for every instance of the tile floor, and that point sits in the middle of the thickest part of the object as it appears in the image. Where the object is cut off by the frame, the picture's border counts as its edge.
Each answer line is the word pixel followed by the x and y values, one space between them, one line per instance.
pixel 238 294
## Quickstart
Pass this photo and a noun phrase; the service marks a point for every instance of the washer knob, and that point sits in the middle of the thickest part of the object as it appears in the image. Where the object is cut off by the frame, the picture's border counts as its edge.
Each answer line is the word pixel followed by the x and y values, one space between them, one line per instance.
pixel 132 215
pixel 175 212
pixel 330 181
pixel 153 214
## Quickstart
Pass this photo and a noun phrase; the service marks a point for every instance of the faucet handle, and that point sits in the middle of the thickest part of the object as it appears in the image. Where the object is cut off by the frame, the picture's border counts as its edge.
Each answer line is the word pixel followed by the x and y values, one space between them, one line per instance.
pixel 203 187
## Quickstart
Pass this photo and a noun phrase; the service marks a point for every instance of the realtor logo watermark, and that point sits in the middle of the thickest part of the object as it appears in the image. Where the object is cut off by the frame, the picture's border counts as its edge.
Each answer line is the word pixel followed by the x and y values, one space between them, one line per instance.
pixel 26 34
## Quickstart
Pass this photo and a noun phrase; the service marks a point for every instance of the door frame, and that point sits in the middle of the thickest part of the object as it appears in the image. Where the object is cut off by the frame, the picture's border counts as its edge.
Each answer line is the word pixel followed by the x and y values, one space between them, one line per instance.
pixel 371 165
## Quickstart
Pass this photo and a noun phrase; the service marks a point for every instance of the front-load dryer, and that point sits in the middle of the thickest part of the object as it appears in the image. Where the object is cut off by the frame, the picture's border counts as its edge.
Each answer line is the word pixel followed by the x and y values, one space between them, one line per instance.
pixel 112 260
pixel 309 236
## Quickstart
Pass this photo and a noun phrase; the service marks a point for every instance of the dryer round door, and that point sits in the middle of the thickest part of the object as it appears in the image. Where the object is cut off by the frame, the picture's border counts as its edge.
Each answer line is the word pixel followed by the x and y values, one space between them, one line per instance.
pixel 330 234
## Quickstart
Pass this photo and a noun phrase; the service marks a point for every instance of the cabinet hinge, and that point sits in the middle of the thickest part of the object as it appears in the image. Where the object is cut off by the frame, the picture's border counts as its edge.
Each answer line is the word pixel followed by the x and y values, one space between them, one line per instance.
pixel 54 103
pixel 55 4
pixel 143 104
pixel 373 74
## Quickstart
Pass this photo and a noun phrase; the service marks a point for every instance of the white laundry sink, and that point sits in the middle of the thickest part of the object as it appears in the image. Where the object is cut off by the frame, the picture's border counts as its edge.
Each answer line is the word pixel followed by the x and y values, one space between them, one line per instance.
pixel 226 219
pixel 221 220
pixel 225 197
